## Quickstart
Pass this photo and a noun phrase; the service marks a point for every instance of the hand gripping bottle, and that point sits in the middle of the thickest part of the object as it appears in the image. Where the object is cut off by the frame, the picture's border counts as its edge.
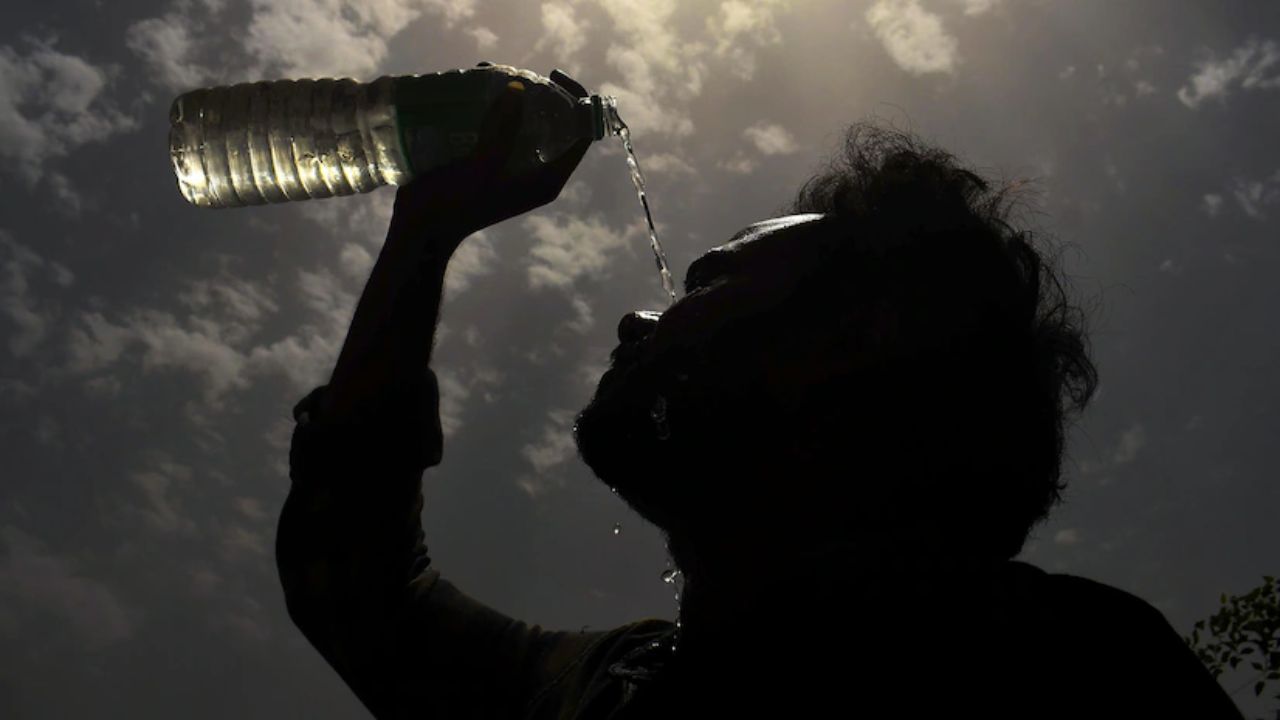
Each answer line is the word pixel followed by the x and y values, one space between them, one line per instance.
pixel 270 142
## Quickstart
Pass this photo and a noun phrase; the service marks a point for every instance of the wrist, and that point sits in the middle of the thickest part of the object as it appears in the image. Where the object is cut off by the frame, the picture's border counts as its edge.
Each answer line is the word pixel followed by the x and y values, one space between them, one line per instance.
pixel 439 227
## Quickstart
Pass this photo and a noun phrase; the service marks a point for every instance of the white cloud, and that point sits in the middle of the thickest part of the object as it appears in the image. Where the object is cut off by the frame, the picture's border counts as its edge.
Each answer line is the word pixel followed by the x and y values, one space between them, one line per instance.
pixel 305 359
pixel 736 22
pixel 16 390
pixel 1254 65
pixel 473 258
pixel 95 343
pixel 204 581
pixel 315 38
pixel 213 340
pixel 590 372
pixel 30 324
pixel 50 104
pixel 251 508
pixel 365 216
pixel 665 164
pixel 166 45
pixel 567 247
pixel 29 314
pixel 739 164
pixel 1254 196
pixel 562 33
pixel 335 38
pixel 660 71
pixel 913 36
pixel 327 296
pixel 198 349
pixel 552 449
pixel 576 193
pixel 236 539
pixel 36 580
pixel 583 319
pixel 1131 442
pixel 1212 204
pixel 1069 536
pixel 453 11
pixel 162 509
pixel 69 200
pixel 640 99
pixel 978 7
pixel 283 38
pixel 485 38
pixel 239 306
pixel 355 261
pixel 771 139
pixel 456 388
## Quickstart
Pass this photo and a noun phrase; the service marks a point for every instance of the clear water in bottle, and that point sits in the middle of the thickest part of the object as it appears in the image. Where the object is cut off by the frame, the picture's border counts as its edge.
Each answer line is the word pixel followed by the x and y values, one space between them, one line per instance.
pixel 263 142
pixel 286 140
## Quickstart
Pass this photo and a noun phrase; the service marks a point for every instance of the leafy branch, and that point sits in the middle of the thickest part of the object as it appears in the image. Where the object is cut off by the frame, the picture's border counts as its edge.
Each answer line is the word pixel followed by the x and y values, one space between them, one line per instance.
pixel 1246 629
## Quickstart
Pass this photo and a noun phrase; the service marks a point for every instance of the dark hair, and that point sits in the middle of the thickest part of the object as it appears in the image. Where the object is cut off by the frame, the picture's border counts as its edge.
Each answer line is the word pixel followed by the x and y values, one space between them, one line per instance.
pixel 966 355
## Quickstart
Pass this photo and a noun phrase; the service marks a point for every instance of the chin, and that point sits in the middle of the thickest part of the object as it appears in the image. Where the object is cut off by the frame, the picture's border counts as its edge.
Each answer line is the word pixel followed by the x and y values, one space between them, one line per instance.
pixel 615 438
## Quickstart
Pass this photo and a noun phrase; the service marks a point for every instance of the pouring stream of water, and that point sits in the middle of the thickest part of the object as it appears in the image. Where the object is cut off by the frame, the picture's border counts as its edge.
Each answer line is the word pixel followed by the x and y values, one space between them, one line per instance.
pixel 620 129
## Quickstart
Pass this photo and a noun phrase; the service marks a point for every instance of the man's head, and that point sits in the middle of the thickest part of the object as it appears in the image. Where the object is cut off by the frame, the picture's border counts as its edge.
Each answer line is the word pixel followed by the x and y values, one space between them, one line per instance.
pixel 889 359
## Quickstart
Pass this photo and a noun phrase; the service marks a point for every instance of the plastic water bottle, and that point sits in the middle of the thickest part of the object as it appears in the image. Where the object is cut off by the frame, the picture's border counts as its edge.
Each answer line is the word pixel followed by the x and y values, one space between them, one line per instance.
pixel 269 142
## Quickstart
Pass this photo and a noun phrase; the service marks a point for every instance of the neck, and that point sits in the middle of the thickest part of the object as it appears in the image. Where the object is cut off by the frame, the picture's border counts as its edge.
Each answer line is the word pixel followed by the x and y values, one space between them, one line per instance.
pixel 726 607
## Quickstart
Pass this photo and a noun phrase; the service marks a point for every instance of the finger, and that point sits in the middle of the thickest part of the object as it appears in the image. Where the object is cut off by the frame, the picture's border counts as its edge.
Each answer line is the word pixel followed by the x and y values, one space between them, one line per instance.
pixel 500 127
pixel 569 159
pixel 556 173
pixel 546 184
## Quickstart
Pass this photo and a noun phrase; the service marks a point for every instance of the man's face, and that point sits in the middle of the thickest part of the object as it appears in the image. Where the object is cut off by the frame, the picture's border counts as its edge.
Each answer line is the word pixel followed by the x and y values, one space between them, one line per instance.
pixel 682 352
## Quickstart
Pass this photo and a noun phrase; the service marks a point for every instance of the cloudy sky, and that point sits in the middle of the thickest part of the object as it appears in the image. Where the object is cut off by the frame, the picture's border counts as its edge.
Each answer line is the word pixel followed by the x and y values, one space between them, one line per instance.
pixel 152 350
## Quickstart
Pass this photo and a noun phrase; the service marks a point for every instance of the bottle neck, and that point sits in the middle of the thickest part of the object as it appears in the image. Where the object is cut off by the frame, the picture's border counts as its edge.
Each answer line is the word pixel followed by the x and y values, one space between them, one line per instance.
pixel 603 115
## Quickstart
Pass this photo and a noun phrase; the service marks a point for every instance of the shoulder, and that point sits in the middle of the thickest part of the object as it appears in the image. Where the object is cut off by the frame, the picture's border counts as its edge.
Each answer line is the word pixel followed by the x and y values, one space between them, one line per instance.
pixel 1098 603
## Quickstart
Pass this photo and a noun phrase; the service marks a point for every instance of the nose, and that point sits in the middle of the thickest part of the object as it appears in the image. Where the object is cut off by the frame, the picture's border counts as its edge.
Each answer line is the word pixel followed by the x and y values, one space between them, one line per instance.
pixel 637 325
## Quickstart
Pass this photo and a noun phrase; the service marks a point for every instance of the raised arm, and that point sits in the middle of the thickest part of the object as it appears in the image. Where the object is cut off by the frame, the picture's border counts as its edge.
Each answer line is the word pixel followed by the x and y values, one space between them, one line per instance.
pixel 350 548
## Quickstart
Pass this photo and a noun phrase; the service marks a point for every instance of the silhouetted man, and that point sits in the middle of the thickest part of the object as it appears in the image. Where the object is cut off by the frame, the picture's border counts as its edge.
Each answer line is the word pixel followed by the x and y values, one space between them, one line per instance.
pixel 845 429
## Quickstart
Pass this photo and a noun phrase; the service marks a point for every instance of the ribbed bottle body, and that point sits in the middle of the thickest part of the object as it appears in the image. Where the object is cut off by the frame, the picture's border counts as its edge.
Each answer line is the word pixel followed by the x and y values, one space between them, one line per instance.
pixel 284 140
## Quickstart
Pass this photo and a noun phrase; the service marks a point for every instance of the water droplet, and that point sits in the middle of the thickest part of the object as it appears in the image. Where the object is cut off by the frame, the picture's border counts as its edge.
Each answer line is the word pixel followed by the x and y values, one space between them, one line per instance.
pixel 669 575
pixel 613 490
pixel 617 528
